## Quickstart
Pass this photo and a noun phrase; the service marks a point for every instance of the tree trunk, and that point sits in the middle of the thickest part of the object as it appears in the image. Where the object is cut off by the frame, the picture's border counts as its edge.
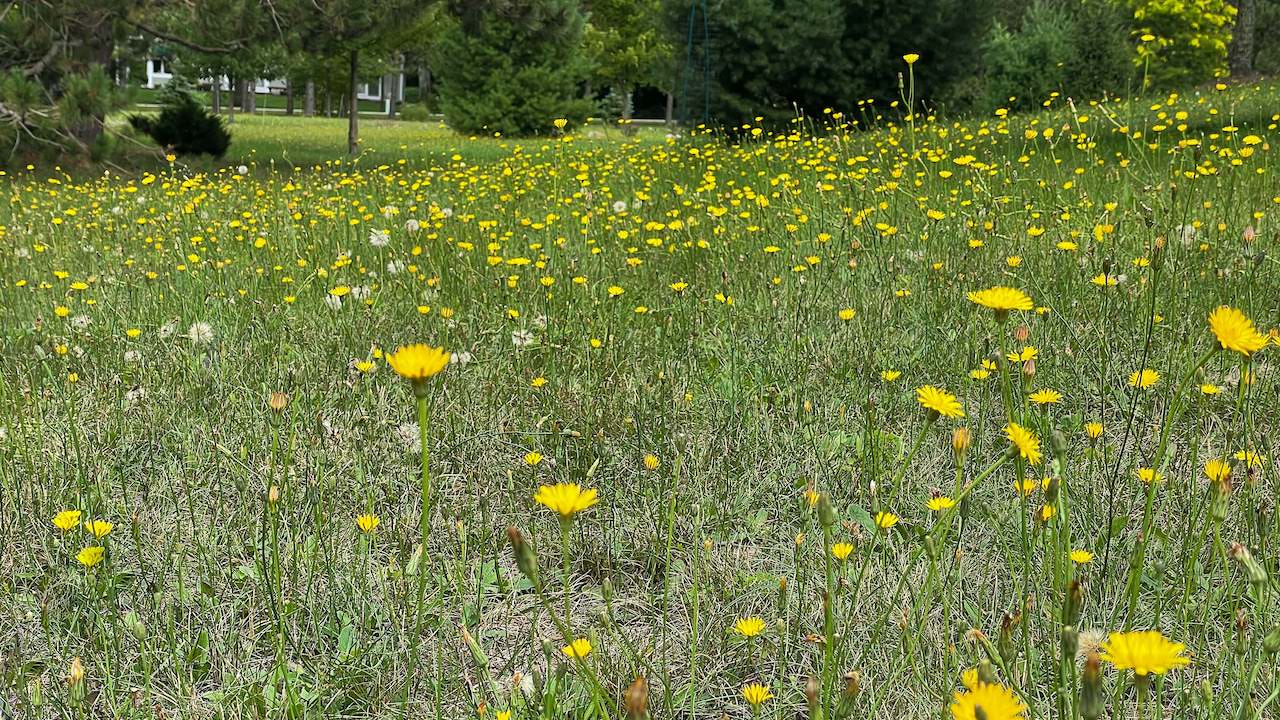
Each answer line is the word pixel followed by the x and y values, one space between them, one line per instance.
pixel 389 94
pixel 1240 52
pixel 309 99
pixel 232 86
pixel 424 84
pixel 628 113
pixel 251 96
pixel 288 97
pixel 669 117
pixel 353 120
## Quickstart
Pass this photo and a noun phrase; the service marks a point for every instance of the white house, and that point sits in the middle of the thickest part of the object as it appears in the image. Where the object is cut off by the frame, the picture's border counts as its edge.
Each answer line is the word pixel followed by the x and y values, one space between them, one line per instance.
pixel 160 72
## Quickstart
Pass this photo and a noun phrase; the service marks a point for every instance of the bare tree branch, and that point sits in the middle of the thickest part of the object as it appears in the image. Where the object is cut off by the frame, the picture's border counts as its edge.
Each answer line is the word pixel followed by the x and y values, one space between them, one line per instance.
pixel 178 40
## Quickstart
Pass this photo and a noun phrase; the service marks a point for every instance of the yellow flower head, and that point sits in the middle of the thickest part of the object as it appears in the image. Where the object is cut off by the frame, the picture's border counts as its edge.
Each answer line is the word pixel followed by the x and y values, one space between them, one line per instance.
pixel 90 556
pixel 1093 430
pixel 1143 652
pixel 1235 332
pixel 66 520
pixel 567 499
pixel 749 627
pixel 940 503
pixel 651 462
pixel 99 528
pixel 969 678
pixel 1002 299
pixel 1217 470
pixel 533 457
pixel 939 402
pixel 579 648
pixel 418 362
pixel 1080 557
pixel 756 694
pixel 1026 442
pixel 996 701
pixel 841 551
pixel 367 522
pixel 1144 378
pixel 1045 397
pixel 911 58
pixel 886 520
pixel 1149 475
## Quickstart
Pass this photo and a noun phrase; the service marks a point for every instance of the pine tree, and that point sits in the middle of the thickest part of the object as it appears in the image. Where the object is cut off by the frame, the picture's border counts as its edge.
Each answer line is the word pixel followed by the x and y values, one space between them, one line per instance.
pixel 512 66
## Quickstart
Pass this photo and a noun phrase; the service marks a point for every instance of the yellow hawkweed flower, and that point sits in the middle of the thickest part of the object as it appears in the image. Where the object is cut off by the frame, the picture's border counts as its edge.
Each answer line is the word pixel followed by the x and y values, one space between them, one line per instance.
pixel 367 522
pixel 579 648
pixel 1045 397
pixel 749 627
pixel 1093 430
pixel 1144 378
pixel 567 499
pixel 1217 470
pixel 1235 332
pixel 756 694
pixel 1143 652
pixel 1026 442
pixel 1081 557
pixel 886 520
pixel 996 701
pixel 890 375
pixel 651 462
pixel 1002 299
pixel 1149 475
pixel 940 503
pixel 841 551
pixel 939 402
pixel 90 556
pixel 911 58
pixel 66 520
pixel 99 528
pixel 418 362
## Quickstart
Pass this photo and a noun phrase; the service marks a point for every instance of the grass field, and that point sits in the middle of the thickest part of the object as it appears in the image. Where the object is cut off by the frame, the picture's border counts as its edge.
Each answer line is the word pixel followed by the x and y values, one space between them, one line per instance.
pixel 833 478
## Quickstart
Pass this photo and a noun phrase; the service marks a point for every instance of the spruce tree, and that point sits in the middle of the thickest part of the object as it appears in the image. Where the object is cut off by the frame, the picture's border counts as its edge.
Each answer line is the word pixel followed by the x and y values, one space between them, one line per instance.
pixel 512 66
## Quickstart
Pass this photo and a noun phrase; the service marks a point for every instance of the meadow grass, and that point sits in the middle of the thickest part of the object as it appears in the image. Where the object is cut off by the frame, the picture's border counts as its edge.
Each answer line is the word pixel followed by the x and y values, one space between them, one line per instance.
pixel 729 339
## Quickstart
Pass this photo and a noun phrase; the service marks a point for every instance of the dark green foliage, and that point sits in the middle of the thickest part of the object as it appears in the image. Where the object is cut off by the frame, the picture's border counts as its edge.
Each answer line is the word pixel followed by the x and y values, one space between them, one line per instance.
pixel 512 66
pixel 185 127
pixel 771 58
pixel 1078 48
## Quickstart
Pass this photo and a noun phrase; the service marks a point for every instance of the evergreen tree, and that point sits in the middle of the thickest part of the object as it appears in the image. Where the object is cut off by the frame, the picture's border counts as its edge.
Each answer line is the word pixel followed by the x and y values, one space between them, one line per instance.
pixel 512 66
pixel 771 58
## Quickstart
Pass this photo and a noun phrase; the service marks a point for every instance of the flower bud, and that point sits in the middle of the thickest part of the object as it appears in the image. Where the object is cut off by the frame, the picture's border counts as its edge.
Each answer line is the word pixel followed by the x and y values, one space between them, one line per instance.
pixel 812 687
pixel 986 673
pixel 961 440
pixel 135 627
pixel 76 690
pixel 278 401
pixel 1271 643
pixel 636 699
pixel 1091 700
pixel 273 495
pixel 1070 641
pixel 526 560
pixel 826 516
pixel 1073 603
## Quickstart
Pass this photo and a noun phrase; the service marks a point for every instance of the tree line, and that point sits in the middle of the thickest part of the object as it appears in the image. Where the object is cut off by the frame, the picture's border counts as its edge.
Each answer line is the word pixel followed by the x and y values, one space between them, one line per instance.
pixel 526 67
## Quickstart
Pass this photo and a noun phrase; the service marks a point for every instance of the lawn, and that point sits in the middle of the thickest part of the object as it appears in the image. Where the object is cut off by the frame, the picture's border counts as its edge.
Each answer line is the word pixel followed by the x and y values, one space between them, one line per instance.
pixel 827 469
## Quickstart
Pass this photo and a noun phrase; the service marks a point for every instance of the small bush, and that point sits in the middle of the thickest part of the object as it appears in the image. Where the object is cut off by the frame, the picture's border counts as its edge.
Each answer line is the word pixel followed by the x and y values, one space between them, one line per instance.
pixel 185 127
pixel 414 112
pixel 1078 48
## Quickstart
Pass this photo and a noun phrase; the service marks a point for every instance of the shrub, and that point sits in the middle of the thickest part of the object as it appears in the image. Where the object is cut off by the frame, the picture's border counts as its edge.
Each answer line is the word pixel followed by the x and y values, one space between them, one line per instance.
pixel 184 126
pixel 1182 41
pixel 1078 48
pixel 414 112
pixel 512 66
